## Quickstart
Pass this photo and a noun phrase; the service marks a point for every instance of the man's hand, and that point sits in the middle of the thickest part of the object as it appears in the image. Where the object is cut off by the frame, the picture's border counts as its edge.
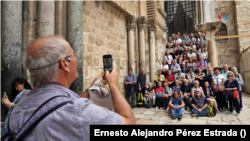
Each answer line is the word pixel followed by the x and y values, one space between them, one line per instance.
pixel 199 110
pixel 181 96
pixel 174 107
pixel 112 78
pixel 211 97
pixel 220 88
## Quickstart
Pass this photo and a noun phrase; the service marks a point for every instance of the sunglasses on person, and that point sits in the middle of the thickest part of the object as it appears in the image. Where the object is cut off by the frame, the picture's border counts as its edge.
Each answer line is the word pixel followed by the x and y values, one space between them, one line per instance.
pixel 230 75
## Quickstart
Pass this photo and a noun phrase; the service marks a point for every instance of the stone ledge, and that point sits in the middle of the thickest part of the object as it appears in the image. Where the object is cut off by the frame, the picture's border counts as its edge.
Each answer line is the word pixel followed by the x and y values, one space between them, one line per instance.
pixel 162 12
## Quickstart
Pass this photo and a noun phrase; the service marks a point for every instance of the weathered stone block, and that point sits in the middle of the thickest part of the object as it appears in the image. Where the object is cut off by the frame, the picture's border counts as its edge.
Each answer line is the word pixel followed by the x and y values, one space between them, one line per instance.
pixel 87 61
pixel 99 42
pixel 91 39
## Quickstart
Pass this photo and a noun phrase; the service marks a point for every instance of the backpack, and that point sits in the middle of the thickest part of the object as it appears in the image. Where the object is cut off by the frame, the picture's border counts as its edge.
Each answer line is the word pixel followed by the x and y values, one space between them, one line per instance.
pixel 211 110
pixel 40 113
pixel 140 99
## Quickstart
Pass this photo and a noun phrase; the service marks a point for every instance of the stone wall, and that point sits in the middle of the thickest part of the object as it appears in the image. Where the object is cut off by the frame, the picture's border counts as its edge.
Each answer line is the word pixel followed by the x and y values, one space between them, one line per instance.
pixel 227 49
pixel 104 32
pixel 245 69
pixel 242 9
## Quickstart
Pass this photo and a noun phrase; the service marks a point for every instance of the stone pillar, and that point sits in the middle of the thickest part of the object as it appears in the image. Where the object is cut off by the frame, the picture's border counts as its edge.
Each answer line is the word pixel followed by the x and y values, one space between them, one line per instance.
pixel 61 18
pixel 131 25
pixel 152 65
pixel 209 29
pixel 196 12
pixel 201 12
pixel 46 18
pixel 75 39
pixel 11 46
pixel 29 31
pixel 142 25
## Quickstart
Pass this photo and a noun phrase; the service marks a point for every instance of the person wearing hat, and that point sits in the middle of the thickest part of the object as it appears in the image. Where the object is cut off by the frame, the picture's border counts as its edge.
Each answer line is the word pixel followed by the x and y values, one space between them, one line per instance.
pixel 179 76
pixel 217 85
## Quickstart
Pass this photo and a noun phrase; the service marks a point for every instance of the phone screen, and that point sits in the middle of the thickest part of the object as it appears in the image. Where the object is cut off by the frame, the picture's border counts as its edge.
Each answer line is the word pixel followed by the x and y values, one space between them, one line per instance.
pixel 107 63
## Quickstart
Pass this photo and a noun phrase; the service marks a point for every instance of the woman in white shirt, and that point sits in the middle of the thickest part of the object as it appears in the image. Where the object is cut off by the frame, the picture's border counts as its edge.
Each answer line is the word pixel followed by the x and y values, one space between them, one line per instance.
pixel 217 85
pixel 191 54
pixel 170 42
pixel 204 54
pixel 168 58
pixel 192 46
pixel 164 68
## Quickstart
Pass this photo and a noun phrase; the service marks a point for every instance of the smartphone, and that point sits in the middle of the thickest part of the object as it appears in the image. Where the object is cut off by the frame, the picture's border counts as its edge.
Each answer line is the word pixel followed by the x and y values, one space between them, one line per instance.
pixel 4 94
pixel 108 63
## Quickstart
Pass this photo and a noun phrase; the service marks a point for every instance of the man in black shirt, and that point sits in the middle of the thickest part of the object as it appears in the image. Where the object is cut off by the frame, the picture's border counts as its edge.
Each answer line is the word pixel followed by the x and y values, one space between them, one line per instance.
pixel 142 81
pixel 186 90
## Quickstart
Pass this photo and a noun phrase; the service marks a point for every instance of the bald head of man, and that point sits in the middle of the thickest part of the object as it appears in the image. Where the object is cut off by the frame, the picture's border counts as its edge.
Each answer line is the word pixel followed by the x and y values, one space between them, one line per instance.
pixel 210 71
pixel 51 59
pixel 142 70
pixel 225 68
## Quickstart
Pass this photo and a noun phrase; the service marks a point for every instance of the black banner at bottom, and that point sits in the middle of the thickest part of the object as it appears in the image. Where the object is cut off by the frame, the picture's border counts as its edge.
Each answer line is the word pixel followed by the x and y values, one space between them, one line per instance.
pixel 163 131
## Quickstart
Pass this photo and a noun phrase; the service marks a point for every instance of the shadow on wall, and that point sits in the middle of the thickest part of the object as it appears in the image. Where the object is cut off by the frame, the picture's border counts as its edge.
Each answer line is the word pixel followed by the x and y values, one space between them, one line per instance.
pixel 245 69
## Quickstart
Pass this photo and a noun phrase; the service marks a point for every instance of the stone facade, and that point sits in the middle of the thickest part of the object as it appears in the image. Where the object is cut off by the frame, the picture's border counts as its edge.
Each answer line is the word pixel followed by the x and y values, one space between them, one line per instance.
pixel 227 49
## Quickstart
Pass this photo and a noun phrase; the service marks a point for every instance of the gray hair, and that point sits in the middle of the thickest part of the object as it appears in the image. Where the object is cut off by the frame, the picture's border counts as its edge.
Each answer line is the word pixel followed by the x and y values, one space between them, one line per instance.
pixel 177 81
pixel 197 82
pixel 44 68
pixel 149 83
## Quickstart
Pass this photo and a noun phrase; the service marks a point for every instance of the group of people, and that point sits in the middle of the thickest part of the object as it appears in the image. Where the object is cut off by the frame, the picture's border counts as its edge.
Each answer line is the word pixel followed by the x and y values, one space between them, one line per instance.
pixel 189 83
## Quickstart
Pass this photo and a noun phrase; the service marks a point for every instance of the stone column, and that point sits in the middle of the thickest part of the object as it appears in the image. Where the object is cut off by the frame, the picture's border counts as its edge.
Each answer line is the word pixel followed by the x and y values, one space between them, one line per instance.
pixel 201 12
pixel 61 18
pixel 29 33
pixel 11 46
pixel 152 66
pixel 46 18
pixel 210 29
pixel 75 39
pixel 131 25
pixel 142 25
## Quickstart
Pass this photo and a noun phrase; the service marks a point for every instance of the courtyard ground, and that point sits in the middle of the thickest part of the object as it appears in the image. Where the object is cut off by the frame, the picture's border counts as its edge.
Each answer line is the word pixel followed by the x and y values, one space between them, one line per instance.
pixel 161 117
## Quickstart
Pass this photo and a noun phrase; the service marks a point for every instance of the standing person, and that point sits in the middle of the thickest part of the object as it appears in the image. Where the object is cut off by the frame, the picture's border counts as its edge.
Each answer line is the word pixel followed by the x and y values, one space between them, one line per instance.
pixel 208 91
pixel 175 99
pixel 159 93
pixel 167 93
pixel 230 85
pixel 53 81
pixel 170 79
pixel 224 72
pixel 174 67
pixel 240 82
pixel 199 105
pixel 19 88
pixel 159 78
pixel 130 81
pixel 164 68
pixel 168 58
pixel 186 90
pixel 209 76
pixel 202 64
pixel 217 85
pixel 149 94
pixel 142 81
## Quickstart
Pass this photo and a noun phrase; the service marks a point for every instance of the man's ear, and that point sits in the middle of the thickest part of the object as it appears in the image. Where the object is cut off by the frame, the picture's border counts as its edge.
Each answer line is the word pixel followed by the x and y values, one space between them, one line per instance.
pixel 64 65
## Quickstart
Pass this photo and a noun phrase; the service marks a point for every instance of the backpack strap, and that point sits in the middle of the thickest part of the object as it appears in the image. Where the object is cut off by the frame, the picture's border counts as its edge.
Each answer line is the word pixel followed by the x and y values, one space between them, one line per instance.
pixel 41 112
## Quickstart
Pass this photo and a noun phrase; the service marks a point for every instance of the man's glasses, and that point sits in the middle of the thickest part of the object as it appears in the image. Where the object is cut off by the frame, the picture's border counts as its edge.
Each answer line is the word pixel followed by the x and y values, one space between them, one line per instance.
pixel 66 58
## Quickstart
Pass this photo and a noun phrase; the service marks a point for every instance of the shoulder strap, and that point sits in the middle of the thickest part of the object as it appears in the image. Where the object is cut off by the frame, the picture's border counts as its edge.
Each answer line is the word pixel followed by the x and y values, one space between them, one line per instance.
pixel 41 112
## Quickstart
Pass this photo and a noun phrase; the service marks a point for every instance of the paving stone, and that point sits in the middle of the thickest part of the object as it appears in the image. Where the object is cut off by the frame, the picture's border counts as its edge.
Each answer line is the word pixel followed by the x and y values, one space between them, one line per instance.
pixel 162 114
pixel 151 117
pixel 171 121
pixel 245 122
pixel 148 112
pixel 229 120
pixel 217 123
pixel 235 123
pixel 241 118
pixel 161 123
pixel 144 121
pixel 164 119
pixel 139 115
pixel 154 122
pixel 217 118
pixel 138 111
pixel 192 121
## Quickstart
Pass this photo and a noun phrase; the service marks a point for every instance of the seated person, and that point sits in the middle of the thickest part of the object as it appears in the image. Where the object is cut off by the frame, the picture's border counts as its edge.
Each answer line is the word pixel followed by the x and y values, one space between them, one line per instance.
pixel 200 76
pixel 186 91
pixel 191 63
pixel 185 40
pixel 175 99
pixel 199 49
pixel 210 96
pixel 175 47
pixel 159 78
pixel 191 75
pixel 168 58
pixel 191 54
pixel 170 79
pixel 185 59
pixel 159 93
pixel 149 94
pixel 184 68
pixel 195 87
pixel 201 41
pixel 185 48
pixel 177 88
pixel 169 42
pixel 167 93
pixel 192 46
pixel 204 54
pixel 174 67
pixel 199 105
pixel 179 76
pixel 209 76
pixel 178 54
pixel 171 50
pixel 192 38
pixel 164 68
pixel 202 64
pixel 178 40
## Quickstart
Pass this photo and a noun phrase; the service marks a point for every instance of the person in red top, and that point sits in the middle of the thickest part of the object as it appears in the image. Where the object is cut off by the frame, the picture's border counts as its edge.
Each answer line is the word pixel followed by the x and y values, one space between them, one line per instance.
pixel 170 79
pixel 159 93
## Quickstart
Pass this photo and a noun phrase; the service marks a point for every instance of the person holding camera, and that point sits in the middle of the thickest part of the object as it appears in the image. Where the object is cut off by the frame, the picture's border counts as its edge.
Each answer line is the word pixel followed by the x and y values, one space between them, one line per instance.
pixel 130 81
pixel 53 65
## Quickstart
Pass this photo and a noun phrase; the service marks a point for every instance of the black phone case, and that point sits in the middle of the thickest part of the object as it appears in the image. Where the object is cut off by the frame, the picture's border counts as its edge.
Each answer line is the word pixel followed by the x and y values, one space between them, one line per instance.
pixel 111 63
